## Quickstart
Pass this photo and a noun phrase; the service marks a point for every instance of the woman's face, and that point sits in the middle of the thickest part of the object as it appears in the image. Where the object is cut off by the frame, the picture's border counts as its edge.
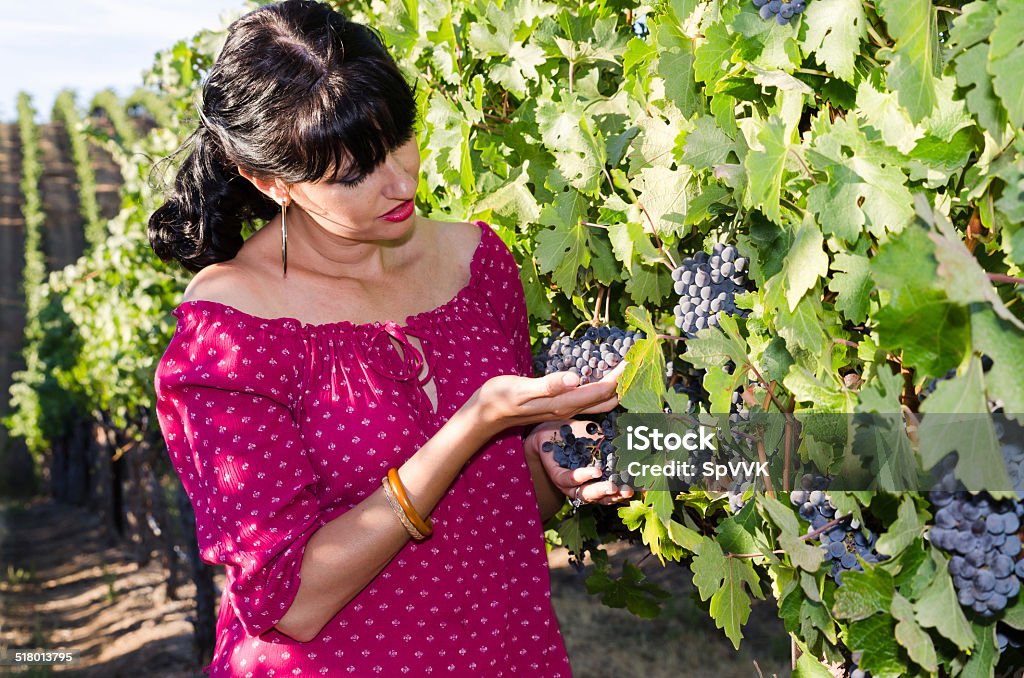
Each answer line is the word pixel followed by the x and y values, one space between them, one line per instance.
pixel 352 206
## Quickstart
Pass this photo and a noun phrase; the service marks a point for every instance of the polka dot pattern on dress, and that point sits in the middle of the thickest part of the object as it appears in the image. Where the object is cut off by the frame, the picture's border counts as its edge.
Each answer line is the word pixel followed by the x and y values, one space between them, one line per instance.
pixel 276 427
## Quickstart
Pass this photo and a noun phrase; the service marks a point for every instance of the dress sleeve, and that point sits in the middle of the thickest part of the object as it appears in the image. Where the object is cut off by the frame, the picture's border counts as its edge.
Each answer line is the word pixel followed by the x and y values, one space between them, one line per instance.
pixel 224 402
pixel 504 292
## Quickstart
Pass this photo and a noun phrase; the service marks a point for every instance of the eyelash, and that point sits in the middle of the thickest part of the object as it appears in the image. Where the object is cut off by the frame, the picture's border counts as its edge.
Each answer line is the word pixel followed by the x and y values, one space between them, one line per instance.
pixel 353 182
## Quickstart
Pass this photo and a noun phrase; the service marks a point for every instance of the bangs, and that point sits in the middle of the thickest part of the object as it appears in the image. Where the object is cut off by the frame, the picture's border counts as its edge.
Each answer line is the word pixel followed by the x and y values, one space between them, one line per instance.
pixel 352 123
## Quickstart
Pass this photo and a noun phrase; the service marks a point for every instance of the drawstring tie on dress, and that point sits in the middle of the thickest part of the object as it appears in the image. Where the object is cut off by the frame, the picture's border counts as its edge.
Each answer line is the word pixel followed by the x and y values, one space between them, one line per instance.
pixel 412 360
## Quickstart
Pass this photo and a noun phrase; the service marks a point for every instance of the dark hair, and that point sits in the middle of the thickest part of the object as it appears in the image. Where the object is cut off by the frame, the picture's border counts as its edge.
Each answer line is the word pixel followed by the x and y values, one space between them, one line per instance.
pixel 297 92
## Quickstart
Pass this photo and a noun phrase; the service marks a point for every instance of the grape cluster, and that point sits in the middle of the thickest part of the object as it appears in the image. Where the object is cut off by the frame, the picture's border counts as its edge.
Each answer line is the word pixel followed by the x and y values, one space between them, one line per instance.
pixel 590 356
pixel 782 11
pixel 707 285
pixel 842 542
pixel 594 449
pixel 983 536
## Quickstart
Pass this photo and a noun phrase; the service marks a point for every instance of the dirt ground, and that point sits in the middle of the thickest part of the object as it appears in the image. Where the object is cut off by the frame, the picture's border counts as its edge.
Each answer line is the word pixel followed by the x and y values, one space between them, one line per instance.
pixel 63 586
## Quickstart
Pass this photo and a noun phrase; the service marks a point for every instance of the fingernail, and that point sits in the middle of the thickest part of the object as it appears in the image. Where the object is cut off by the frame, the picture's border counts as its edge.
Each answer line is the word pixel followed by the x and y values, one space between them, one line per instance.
pixel 569 379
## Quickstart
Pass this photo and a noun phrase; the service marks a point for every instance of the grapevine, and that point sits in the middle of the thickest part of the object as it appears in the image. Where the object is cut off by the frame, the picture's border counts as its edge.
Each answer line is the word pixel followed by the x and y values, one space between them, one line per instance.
pixel 859 165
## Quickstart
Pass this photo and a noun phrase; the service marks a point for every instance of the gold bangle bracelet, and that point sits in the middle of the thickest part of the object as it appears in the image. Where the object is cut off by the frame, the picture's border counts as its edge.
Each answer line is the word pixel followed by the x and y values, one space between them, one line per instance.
pixel 426 527
pixel 416 534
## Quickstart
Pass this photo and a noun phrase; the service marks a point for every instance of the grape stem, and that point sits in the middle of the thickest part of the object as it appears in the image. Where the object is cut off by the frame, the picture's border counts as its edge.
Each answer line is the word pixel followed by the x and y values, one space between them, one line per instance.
pixel 912 424
pixel 1000 277
pixel 767 386
pixel 778 552
pixel 974 229
pixel 670 264
pixel 875 37
pixel 788 448
pixel 607 305
pixel 657 240
pixel 824 528
pixel 813 71
pixel 909 398
pixel 810 174
pixel 763 458
pixel 844 342
pixel 596 320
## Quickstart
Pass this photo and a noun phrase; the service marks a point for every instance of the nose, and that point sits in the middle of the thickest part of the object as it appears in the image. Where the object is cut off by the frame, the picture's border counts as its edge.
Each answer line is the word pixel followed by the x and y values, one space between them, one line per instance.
pixel 403 180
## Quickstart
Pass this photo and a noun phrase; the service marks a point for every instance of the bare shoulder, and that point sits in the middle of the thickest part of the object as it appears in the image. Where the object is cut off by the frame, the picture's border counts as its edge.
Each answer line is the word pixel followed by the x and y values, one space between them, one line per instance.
pixel 225 283
pixel 459 238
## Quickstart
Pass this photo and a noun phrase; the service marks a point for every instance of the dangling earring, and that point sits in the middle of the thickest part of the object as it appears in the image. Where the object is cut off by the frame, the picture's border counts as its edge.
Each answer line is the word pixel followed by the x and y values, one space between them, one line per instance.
pixel 284 240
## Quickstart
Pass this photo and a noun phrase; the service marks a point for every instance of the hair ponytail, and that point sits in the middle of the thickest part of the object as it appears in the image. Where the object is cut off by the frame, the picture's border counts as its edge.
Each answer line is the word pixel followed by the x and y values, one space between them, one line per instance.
pixel 201 221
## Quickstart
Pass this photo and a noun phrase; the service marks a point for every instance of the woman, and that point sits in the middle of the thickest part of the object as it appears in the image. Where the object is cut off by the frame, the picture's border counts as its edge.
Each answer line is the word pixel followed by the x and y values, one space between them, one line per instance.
pixel 314 430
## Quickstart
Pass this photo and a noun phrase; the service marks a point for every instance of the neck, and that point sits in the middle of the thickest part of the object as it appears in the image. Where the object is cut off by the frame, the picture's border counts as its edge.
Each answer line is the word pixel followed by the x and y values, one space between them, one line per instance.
pixel 324 247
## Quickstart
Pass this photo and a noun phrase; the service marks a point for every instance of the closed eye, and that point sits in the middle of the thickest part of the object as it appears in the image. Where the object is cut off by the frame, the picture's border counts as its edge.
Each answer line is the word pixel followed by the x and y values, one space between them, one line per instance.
pixel 353 182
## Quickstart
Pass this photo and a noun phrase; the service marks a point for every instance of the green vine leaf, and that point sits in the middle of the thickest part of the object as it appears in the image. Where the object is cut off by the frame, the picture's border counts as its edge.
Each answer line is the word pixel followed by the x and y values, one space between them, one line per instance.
pixel 706 145
pixel 997 339
pixel 765 166
pixel 985 655
pixel 643 380
pixel 863 594
pixel 980 463
pixel 852 285
pixel 565 247
pixel 575 141
pixel 801 554
pixel 1005 56
pixel 807 261
pixel 875 638
pixel 913 67
pixel 903 532
pixel 938 608
pixel 835 29
pixel 911 636
pixel 722 579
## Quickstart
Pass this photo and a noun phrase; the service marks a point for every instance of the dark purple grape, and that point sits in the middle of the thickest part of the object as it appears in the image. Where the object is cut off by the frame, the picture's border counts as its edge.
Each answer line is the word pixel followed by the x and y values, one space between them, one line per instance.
pixel 707 285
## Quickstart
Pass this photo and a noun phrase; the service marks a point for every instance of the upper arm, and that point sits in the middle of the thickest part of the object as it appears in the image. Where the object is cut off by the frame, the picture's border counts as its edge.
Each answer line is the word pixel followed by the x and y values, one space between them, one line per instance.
pixel 225 396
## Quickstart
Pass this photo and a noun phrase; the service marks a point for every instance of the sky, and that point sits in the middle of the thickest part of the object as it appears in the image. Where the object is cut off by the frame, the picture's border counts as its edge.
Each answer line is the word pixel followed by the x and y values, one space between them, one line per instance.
pixel 90 45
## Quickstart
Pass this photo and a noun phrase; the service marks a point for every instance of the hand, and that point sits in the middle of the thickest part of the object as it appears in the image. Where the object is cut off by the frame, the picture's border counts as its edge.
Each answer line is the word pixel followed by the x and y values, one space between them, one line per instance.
pixel 510 400
pixel 580 483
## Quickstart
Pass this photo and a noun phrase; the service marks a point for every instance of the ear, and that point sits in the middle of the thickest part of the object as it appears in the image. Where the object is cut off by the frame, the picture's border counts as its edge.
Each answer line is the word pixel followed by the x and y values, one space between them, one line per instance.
pixel 275 189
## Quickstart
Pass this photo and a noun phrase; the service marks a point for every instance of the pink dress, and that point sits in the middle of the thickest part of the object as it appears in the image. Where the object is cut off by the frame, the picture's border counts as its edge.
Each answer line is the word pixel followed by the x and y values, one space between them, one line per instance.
pixel 276 428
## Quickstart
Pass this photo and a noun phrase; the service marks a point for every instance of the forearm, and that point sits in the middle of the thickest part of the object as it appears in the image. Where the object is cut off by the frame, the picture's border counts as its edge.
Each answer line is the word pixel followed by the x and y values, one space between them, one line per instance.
pixel 345 555
pixel 549 497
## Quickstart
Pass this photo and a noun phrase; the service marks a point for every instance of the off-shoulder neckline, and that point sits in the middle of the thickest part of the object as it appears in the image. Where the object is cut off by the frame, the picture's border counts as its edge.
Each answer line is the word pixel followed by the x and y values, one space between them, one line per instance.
pixel 297 325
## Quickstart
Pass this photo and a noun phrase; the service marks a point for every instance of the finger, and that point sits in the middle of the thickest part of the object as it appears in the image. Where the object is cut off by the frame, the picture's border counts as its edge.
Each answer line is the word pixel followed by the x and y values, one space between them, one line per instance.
pixel 618 496
pixel 566 480
pixel 594 492
pixel 606 406
pixel 616 373
pixel 561 382
pixel 585 474
pixel 586 395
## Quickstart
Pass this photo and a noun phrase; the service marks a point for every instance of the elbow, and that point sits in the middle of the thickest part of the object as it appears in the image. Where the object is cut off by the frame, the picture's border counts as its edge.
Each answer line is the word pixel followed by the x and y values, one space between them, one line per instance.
pixel 300 630
pixel 305 619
